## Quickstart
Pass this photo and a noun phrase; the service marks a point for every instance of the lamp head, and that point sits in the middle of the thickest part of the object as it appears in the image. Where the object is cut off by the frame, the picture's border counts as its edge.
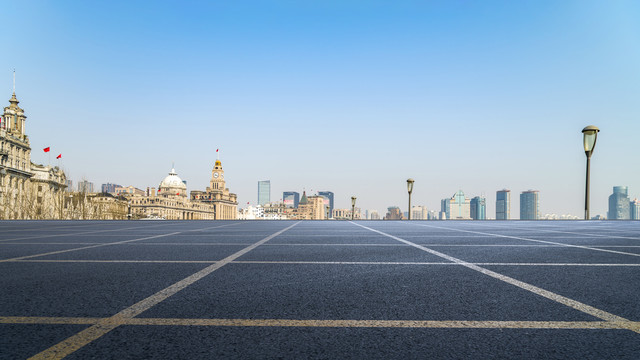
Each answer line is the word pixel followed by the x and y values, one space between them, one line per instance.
pixel 410 185
pixel 353 201
pixel 590 134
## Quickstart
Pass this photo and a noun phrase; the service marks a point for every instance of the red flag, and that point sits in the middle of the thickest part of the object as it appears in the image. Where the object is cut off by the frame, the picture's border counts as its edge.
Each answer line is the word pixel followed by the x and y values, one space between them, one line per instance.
pixel 217 150
pixel 47 149
pixel 59 156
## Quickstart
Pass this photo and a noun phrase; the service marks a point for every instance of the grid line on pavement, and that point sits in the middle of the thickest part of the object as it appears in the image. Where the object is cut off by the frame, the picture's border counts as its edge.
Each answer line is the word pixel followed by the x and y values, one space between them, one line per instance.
pixel 84 337
pixel 587 309
pixel 457 324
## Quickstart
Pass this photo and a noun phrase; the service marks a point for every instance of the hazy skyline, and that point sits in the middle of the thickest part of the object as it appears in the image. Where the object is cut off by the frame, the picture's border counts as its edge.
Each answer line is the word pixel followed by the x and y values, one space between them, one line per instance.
pixel 351 97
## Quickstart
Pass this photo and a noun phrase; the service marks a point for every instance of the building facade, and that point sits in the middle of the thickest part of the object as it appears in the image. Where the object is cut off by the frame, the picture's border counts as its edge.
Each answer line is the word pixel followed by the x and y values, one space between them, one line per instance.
pixel 503 204
pixel 530 205
pixel 459 207
pixel 264 192
pixel 109 188
pixel 479 208
pixel 393 213
pixel 291 199
pixel 328 199
pixel 634 207
pixel 27 190
pixel 225 203
pixel 619 204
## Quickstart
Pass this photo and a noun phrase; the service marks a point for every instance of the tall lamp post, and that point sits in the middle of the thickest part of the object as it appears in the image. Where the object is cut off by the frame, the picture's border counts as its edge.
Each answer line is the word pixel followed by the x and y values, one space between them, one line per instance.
pixel 410 189
pixel 353 206
pixel 590 134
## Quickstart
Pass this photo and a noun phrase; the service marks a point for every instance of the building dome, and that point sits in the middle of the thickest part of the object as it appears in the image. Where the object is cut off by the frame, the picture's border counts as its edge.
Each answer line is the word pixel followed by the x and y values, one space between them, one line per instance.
pixel 172 184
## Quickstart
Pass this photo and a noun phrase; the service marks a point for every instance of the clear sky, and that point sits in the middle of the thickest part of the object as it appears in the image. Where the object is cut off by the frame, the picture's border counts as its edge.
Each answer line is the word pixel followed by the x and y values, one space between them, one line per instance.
pixel 352 97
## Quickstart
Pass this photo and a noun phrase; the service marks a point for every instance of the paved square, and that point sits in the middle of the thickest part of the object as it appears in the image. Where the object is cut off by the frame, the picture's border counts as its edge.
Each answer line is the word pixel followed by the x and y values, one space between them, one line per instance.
pixel 320 289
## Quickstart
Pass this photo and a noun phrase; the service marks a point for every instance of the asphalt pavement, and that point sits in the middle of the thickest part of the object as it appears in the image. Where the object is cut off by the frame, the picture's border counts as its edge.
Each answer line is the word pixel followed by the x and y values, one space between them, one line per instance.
pixel 320 289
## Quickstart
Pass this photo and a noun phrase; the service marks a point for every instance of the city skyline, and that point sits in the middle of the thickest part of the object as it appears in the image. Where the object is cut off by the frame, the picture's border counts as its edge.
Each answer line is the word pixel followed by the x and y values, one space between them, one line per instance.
pixel 477 97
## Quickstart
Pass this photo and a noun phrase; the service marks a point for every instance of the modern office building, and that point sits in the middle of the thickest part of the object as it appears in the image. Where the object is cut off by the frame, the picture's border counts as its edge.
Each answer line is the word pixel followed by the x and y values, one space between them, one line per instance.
pixel 419 213
pixel 393 213
pixel 328 199
pixel 445 205
pixel 634 207
pixel 109 188
pixel 619 204
pixel 530 205
pixel 85 186
pixel 264 192
pixel 479 208
pixel 458 207
pixel 291 199
pixel 373 215
pixel 503 204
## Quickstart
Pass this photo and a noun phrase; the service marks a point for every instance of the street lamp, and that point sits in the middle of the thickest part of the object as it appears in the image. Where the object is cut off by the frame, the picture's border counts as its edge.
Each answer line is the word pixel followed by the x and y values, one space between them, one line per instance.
pixel 410 189
pixel 589 141
pixel 353 206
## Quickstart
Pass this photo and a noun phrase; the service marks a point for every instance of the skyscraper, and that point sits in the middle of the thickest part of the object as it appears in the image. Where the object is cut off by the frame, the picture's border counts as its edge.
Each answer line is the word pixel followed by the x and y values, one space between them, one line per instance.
pixel 291 199
pixel 264 192
pixel 479 208
pixel 619 204
pixel 530 205
pixel 328 199
pixel 634 207
pixel 110 188
pixel 503 204
pixel 458 207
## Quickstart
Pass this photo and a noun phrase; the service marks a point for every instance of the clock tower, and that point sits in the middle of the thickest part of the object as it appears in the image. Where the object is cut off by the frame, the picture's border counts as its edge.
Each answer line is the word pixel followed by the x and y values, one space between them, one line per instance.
pixel 217 178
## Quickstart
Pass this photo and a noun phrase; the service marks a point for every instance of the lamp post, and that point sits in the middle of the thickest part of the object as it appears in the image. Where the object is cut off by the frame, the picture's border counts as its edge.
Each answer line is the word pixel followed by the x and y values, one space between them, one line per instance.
pixel 353 206
pixel 590 134
pixel 410 189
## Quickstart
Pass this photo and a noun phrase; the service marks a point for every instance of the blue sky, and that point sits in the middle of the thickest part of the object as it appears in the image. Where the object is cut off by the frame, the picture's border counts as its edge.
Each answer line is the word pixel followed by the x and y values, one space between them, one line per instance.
pixel 348 96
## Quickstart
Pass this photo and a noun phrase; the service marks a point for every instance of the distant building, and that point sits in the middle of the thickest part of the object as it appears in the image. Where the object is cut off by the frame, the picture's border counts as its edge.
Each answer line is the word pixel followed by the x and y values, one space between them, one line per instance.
pixel 419 213
pixel 373 215
pixel 69 185
pixel 530 205
pixel 479 208
pixel 309 208
pixel 445 206
pixel 393 213
pixel 459 207
pixel 634 207
pixel 291 199
pixel 128 190
pixel 264 192
pixel 85 186
pixel 328 199
pixel 503 204
pixel 109 188
pixel 619 204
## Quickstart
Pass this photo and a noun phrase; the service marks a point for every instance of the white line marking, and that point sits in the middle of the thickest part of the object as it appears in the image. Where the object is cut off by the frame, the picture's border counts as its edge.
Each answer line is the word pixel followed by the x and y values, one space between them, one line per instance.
pixel 101 245
pixel 601 314
pixel 534 240
pixel 96 331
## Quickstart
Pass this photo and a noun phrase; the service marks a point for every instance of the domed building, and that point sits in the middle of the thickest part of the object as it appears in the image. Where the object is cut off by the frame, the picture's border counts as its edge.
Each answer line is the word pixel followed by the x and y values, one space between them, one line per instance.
pixel 170 202
pixel 172 185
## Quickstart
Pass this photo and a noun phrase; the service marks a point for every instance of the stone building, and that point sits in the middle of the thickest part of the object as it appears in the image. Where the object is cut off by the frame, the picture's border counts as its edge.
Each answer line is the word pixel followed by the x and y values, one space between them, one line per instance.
pixel 172 203
pixel 225 203
pixel 27 190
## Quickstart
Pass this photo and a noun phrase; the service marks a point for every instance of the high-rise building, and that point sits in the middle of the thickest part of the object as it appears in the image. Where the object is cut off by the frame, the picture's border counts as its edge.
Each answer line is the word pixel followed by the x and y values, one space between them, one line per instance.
pixel 503 204
pixel 69 185
pixel 445 205
pixel 634 207
pixel 109 188
pixel 291 199
pixel 530 205
pixel 479 208
pixel 85 186
pixel 393 213
pixel 264 192
pixel 328 199
pixel 458 207
pixel 619 204
pixel 373 215
pixel 419 213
